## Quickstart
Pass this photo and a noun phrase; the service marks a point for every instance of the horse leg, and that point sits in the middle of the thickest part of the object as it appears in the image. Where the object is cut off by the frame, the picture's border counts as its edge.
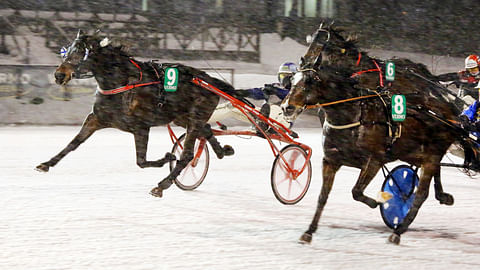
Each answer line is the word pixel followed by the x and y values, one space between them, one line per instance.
pixel 366 175
pixel 442 197
pixel 141 142
pixel 428 171
pixel 328 170
pixel 185 158
pixel 90 125
pixel 220 151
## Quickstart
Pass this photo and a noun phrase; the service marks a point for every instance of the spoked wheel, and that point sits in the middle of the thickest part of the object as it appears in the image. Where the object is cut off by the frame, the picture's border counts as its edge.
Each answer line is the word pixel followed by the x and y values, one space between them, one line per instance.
pixel 193 175
pixel 402 183
pixel 289 183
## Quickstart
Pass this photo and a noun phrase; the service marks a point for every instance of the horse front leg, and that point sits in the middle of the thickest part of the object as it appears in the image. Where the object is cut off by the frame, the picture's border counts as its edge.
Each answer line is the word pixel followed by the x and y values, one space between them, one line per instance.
pixel 329 170
pixel 428 171
pixel 366 175
pixel 141 144
pixel 90 125
pixel 185 158
pixel 442 197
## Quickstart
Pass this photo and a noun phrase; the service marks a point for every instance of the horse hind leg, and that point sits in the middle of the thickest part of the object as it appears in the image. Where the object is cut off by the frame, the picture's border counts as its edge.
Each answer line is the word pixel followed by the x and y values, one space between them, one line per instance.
pixel 220 151
pixel 428 170
pixel 141 143
pixel 366 175
pixel 440 195
pixel 329 170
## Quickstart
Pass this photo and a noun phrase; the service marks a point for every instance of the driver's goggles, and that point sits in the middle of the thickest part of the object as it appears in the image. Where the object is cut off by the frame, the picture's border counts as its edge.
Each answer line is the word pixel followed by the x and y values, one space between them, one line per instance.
pixel 282 76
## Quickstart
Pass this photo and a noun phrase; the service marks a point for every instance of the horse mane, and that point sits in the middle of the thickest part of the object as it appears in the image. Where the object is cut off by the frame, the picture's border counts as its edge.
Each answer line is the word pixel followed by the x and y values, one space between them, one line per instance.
pixel 122 48
pixel 351 40
pixel 410 69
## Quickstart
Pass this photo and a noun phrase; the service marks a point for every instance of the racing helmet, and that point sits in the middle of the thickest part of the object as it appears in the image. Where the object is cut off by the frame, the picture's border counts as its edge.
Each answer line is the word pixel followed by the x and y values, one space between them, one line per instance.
pixel 285 73
pixel 471 64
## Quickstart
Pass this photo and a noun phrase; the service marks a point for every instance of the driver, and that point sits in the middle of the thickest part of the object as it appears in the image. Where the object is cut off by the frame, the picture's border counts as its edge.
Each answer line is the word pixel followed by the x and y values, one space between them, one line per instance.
pixel 470 76
pixel 466 79
pixel 470 121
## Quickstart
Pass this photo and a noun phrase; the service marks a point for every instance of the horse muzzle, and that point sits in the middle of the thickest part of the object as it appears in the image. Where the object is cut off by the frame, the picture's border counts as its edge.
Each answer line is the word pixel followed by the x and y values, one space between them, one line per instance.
pixel 291 112
pixel 64 73
pixel 62 78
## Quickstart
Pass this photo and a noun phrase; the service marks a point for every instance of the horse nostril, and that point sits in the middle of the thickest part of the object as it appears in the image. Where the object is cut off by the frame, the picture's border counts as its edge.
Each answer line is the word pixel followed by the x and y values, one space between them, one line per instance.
pixel 59 76
pixel 289 110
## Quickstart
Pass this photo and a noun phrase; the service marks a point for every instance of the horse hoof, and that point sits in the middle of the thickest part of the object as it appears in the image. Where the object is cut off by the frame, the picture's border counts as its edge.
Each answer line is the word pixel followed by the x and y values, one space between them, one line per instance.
pixel 228 150
pixel 446 199
pixel 306 238
pixel 156 192
pixel 394 239
pixel 42 168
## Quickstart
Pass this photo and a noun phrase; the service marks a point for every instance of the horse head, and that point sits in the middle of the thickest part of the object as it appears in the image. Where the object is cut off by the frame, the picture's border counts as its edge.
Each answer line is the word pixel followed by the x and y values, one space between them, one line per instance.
pixel 311 87
pixel 75 57
pixel 329 46
pixel 79 57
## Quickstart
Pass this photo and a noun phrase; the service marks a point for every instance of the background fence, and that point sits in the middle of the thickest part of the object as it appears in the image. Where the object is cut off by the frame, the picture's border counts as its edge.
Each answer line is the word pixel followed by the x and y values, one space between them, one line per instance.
pixel 29 95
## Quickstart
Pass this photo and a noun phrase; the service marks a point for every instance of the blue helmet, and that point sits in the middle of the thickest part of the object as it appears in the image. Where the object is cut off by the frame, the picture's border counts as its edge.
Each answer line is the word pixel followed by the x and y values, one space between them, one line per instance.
pixel 285 73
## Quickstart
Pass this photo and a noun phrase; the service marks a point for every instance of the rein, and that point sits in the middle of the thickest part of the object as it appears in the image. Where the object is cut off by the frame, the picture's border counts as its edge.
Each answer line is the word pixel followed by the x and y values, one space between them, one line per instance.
pixel 128 86
pixel 340 101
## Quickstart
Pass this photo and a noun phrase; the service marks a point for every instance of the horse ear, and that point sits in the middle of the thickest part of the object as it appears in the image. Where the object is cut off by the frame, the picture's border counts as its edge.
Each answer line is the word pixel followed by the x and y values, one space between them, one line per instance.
pixel 80 33
pixel 309 39
pixel 320 27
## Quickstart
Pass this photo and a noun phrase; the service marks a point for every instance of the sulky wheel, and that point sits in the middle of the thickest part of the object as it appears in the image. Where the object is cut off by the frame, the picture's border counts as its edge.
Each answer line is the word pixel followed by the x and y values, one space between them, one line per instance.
pixel 402 184
pixel 193 175
pixel 288 184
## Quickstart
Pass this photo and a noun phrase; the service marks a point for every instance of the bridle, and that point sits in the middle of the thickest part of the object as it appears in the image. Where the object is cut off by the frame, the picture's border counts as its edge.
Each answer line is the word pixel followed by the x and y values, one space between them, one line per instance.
pixel 352 99
pixel 77 73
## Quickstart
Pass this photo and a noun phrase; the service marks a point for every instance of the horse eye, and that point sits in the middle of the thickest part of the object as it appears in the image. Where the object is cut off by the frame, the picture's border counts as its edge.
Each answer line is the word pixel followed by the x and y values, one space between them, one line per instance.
pixel 308 80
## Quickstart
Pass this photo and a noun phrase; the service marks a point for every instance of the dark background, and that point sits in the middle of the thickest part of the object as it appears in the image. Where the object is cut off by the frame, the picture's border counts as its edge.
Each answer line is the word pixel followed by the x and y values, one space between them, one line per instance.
pixel 447 27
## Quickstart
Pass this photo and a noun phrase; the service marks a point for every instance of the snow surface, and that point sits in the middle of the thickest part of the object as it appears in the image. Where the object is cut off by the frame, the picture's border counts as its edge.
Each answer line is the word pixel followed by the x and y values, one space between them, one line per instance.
pixel 93 211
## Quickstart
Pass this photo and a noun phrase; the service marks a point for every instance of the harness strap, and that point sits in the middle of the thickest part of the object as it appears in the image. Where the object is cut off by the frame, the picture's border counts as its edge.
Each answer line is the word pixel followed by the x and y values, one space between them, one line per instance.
pixel 355 124
pixel 141 73
pixel 359 58
pixel 377 69
pixel 124 88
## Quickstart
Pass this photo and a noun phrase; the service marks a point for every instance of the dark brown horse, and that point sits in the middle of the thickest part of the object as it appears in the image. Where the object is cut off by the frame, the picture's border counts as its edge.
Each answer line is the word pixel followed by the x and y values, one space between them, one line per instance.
pixel 331 46
pixel 131 98
pixel 357 133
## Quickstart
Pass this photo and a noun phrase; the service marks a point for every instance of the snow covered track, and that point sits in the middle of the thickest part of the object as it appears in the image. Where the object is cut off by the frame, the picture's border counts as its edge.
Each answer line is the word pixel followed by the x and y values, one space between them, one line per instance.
pixel 93 211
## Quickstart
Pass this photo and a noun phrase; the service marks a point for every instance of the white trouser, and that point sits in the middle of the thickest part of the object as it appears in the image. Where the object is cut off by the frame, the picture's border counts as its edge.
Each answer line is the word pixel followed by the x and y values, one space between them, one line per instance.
pixel 226 110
